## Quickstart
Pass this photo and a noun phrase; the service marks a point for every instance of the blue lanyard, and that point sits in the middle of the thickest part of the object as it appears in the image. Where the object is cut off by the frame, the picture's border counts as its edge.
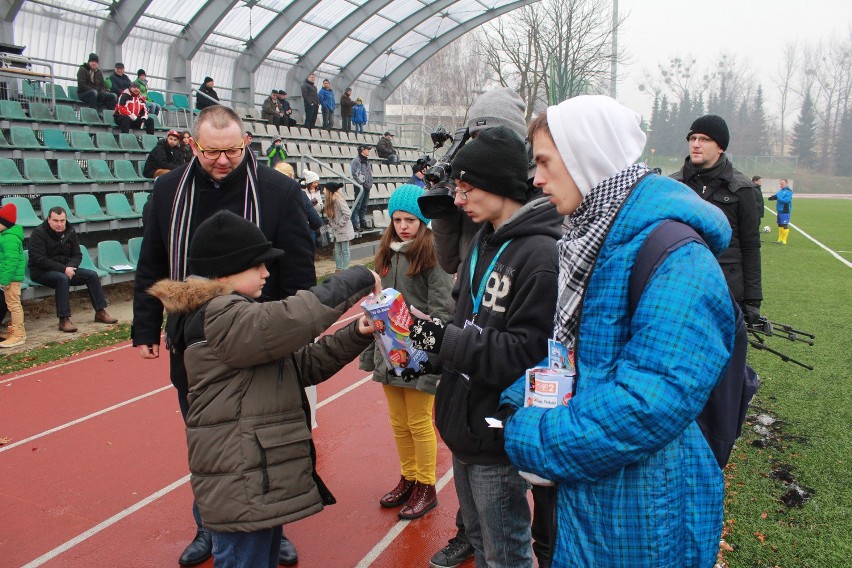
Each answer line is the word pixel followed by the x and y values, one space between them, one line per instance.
pixel 474 258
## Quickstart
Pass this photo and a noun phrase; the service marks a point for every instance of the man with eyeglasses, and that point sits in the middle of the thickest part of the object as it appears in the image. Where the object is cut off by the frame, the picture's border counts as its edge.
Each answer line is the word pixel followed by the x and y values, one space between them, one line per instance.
pixel 709 172
pixel 222 175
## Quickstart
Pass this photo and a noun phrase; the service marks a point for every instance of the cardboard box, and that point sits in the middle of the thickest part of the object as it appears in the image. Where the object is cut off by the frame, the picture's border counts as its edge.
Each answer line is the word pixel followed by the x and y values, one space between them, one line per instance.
pixel 389 313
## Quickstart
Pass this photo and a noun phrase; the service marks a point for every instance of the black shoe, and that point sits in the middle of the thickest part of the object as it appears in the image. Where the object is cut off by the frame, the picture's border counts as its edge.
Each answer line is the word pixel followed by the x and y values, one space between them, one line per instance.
pixel 199 550
pixel 287 554
pixel 456 552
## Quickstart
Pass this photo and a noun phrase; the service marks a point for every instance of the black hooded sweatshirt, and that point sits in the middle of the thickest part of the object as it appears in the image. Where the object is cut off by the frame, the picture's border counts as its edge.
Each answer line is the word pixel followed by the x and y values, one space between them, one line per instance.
pixel 516 319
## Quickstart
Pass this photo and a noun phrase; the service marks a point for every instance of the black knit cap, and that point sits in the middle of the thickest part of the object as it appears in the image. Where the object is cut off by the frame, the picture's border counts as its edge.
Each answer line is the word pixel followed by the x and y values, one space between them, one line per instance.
pixel 333 186
pixel 94 57
pixel 227 244
pixel 713 126
pixel 495 161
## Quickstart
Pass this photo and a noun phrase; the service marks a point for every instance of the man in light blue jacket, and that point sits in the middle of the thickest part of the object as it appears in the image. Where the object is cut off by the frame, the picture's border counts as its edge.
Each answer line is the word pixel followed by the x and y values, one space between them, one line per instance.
pixel 637 483
pixel 326 97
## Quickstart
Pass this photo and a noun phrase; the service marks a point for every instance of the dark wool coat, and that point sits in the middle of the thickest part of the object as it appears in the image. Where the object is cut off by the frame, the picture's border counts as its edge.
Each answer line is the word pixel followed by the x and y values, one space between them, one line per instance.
pixel 53 252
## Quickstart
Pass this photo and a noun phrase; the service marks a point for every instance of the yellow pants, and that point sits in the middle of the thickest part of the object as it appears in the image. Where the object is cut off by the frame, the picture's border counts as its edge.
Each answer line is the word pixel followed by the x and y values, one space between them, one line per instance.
pixel 411 420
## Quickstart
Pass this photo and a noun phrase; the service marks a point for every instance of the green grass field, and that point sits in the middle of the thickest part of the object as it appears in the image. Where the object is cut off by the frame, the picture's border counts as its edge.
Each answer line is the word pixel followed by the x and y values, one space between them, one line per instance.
pixel 803 285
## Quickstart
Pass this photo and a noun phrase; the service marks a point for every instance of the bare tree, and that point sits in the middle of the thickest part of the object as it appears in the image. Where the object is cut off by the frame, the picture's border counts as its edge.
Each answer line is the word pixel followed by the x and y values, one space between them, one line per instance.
pixel 783 81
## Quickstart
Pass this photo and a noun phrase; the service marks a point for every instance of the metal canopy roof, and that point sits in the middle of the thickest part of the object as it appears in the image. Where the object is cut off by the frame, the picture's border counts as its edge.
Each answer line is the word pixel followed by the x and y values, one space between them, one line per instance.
pixel 249 46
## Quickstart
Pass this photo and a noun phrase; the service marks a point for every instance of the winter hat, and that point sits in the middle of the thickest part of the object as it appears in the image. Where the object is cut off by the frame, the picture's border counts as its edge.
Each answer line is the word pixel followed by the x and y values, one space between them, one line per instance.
pixel 310 177
pixel 227 244
pixel 333 186
pixel 8 215
pixel 596 137
pixel 495 161
pixel 713 126
pixel 94 57
pixel 497 107
pixel 206 80
pixel 141 72
pixel 404 198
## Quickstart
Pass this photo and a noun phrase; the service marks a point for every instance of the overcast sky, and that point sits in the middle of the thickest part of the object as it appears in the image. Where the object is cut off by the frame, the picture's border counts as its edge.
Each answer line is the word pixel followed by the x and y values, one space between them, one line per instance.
pixel 753 30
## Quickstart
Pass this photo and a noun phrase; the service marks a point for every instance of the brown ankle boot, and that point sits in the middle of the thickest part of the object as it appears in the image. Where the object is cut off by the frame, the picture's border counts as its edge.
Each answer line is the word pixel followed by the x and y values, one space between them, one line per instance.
pixel 101 316
pixel 66 325
pixel 17 336
pixel 399 494
pixel 422 500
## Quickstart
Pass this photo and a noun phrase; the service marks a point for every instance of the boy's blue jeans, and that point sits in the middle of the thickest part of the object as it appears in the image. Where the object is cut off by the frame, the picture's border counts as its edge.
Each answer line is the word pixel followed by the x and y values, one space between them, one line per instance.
pixel 493 502
pixel 256 549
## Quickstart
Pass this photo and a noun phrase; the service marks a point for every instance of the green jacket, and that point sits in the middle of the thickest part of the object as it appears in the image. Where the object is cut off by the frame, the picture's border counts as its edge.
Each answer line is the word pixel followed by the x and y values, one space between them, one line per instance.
pixel 429 292
pixel 12 263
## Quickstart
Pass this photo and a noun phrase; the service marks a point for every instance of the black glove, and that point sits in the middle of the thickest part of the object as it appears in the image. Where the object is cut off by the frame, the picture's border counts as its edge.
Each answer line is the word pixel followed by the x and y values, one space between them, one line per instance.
pixel 504 412
pixel 751 312
pixel 427 335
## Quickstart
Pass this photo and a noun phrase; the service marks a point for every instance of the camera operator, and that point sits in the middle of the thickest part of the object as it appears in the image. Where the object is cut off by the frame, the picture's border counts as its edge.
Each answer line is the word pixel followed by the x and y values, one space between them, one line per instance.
pixel 454 236
pixel 418 172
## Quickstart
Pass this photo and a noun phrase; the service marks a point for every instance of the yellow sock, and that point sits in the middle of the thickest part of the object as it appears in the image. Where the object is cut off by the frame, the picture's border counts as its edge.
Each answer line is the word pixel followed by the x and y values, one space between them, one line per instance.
pixel 780 235
pixel 786 234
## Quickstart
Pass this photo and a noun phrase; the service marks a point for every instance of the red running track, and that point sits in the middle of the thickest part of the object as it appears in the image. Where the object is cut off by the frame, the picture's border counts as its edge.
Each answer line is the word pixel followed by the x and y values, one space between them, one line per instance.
pixel 96 473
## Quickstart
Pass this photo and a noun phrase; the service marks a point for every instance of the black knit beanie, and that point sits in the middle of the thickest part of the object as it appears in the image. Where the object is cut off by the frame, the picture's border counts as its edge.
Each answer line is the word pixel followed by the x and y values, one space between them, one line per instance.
pixel 227 244
pixel 495 161
pixel 713 126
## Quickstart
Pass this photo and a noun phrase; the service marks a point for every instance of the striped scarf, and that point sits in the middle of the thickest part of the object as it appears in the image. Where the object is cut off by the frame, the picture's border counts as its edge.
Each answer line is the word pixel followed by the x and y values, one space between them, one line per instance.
pixel 585 232
pixel 182 211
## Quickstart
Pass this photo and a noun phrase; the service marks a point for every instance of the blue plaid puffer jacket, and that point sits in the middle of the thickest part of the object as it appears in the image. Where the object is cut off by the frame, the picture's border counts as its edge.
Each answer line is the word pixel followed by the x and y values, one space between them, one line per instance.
pixel 638 485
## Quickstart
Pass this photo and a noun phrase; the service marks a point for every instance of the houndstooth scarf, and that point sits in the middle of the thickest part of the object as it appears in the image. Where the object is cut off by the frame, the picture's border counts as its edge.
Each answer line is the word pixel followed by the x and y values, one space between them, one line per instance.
pixel 182 210
pixel 585 232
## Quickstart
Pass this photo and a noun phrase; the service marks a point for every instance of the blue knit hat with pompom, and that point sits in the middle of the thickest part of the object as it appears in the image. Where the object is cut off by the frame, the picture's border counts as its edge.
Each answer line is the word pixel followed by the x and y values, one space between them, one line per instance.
pixel 404 198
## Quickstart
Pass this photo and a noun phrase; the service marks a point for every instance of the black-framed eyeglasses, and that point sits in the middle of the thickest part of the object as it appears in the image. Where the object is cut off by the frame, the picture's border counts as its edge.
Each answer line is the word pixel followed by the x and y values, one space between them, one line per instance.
pixel 461 193
pixel 214 154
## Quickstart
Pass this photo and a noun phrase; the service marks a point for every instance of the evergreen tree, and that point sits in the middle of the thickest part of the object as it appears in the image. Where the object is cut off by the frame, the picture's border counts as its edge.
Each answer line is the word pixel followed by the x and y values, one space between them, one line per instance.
pixel 759 127
pixel 843 147
pixel 803 143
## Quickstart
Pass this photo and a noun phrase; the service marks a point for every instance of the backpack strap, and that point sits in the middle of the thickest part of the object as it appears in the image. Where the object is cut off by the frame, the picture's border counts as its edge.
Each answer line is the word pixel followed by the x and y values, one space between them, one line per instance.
pixel 661 242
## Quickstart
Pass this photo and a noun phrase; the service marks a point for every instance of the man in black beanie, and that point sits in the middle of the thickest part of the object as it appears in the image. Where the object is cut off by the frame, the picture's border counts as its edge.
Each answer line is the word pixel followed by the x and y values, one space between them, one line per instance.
pixel 505 303
pixel 711 175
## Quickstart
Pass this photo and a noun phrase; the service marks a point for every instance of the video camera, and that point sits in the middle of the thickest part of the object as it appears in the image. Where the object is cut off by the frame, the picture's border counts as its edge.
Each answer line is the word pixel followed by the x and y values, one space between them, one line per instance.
pixel 437 202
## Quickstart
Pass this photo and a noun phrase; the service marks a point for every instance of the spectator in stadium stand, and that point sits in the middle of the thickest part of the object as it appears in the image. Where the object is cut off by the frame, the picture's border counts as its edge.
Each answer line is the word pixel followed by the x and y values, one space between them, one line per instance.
pixel 202 102
pixel 131 112
pixel 91 87
pixel 142 81
pixel 270 111
pixel 346 106
pixel 185 147
pixel 310 97
pixel 359 116
pixel 275 153
pixel 385 149
pixel 119 80
pixel 165 157
pixel 326 96
pixel 418 175
pixel 284 107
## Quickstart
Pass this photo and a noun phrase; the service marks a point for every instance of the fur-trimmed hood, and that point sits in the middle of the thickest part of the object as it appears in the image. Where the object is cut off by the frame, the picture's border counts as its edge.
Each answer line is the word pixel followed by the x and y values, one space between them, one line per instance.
pixel 183 297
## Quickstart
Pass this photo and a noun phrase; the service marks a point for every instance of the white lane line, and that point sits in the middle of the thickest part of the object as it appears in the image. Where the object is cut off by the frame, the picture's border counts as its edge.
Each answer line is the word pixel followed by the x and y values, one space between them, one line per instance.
pixel 63 364
pixel 397 529
pixel 151 498
pixel 817 243
pixel 83 419
pixel 105 524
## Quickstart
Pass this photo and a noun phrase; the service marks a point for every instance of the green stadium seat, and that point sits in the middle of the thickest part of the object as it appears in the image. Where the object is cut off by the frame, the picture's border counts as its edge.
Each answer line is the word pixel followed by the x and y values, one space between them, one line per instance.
pixel 67 115
pixel 140 198
pixel 12 110
pixel 32 90
pixel 110 255
pixel 26 214
pixel 23 138
pixel 54 139
pixel 86 206
pixel 82 141
pixel 69 171
pixel 27 278
pixel 118 206
pixel 40 112
pixel 89 115
pixel 129 142
pixel 9 174
pixel 58 92
pixel 37 170
pixel 105 142
pixel 140 167
pixel 157 124
pixel 149 142
pixel 48 202
pixel 72 93
pixel 134 246
pixel 99 172
pixel 125 171
pixel 89 264
pixel 157 98
pixel 3 142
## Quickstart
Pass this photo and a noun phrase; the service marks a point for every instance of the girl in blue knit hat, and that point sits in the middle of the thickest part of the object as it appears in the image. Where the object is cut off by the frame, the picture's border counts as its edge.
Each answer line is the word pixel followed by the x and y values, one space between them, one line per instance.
pixel 407 261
